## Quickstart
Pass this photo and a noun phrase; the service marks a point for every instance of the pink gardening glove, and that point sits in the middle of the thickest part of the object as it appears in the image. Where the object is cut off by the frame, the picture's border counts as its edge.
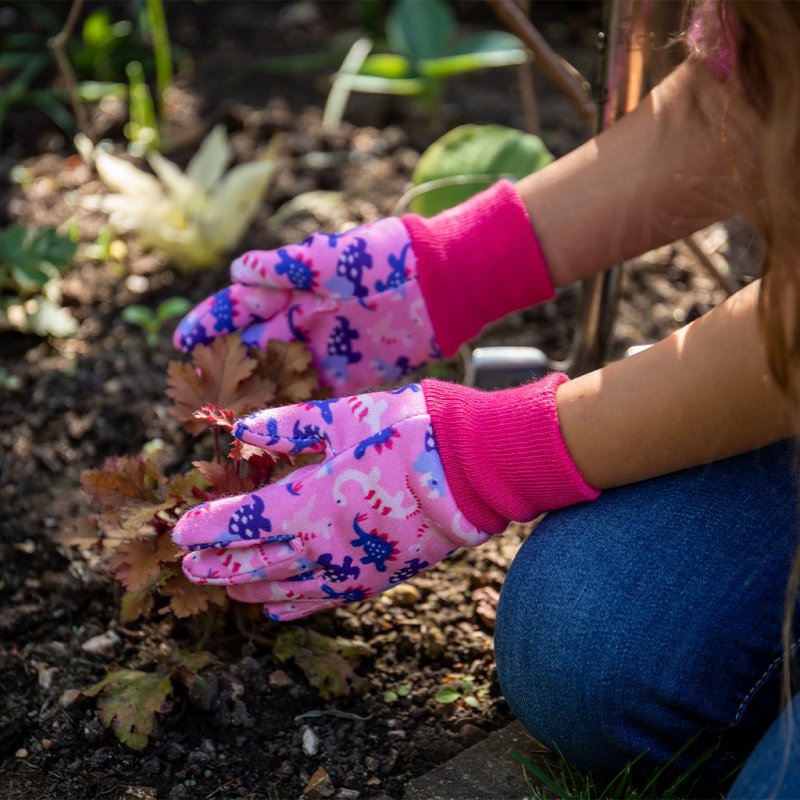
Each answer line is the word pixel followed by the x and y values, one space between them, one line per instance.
pixel 377 302
pixel 385 503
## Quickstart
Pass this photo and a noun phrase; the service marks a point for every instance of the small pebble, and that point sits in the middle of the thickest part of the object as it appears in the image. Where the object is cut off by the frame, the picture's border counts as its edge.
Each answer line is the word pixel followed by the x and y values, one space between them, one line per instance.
pixel 21 753
pixel 279 680
pixel 310 742
pixel 404 594
pixel 103 644
pixel 319 786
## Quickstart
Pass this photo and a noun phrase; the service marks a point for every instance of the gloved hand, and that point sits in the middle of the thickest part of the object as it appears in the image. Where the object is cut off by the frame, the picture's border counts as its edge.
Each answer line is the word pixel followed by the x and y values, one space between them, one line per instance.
pixel 376 302
pixel 408 477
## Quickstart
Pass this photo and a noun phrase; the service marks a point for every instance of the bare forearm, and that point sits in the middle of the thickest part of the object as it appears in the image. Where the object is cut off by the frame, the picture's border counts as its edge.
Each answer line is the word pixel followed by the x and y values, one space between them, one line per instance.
pixel 702 394
pixel 680 161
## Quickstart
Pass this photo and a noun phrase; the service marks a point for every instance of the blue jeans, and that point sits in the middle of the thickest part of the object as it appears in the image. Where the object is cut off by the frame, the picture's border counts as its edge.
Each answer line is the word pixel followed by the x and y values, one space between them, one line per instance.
pixel 652 618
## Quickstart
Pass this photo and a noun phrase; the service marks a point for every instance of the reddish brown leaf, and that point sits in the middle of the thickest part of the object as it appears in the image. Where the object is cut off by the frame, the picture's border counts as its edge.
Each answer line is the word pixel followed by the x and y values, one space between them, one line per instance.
pixel 225 479
pixel 135 562
pixel 187 599
pixel 128 490
pixel 221 374
pixel 221 417
pixel 288 364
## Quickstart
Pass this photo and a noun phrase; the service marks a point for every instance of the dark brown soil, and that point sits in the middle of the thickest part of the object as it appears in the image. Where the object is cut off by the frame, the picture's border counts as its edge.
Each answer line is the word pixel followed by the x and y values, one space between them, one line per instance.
pixel 101 393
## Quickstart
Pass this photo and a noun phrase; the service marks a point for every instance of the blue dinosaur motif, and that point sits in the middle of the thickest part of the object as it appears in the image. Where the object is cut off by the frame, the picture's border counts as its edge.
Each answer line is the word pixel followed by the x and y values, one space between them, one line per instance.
pixel 333 238
pixel 349 595
pixel 242 427
pixel 409 387
pixel 398 275
pixel 340 350
pixel 308 575
pixel 304 436
pixel 377 440
pixel 193 335
pixel 348 281
pixel 247 521
pixel 377 547
pixel 324 407
pixel 338 573
pixel 299 273
pixel 412 568
pixel 429 465
pixel 297 332
pixel 222 311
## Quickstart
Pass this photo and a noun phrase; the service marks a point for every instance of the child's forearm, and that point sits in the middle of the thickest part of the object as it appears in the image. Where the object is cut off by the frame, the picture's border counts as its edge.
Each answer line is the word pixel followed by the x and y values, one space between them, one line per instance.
pixel 680 161
pixel 702 394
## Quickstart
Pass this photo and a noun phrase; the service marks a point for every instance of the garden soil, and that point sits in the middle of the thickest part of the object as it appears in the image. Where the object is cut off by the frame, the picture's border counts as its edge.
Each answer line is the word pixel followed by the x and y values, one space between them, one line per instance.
pixel 258 729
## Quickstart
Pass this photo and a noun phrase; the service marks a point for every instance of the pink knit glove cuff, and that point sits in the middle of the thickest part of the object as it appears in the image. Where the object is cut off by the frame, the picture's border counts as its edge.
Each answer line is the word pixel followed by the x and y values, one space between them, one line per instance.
pixel 503 453
pixel 478 262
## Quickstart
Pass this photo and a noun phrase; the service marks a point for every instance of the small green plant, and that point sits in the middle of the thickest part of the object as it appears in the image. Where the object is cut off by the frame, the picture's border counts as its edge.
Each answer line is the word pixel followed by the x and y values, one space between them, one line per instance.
pixel 554 776
pixel 129 699
pixel 152 322
pixel 30 265
pixel 393 695
pixel 424 52
pixel 461 689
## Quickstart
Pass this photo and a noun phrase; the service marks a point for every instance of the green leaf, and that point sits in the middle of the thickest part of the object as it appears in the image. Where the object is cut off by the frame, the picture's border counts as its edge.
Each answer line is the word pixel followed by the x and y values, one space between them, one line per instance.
pixel 328 663
pixel 138 315
pixel 488 49
pixel 387 65
pixel 404 690
pixel 471 701
pixel 172 307
pixel 389 696
pixel 420 29
pixel 487 152
pixel 128 701
pixel 447 694
pixel 53 248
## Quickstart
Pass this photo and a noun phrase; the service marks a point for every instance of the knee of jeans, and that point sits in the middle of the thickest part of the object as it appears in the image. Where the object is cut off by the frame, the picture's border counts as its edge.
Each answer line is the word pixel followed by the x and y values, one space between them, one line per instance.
pixel 561 666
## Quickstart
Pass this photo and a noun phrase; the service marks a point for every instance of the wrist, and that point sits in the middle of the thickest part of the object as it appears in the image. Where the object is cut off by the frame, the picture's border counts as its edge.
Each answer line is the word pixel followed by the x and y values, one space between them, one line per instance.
pixel 478 262
pixel 503 453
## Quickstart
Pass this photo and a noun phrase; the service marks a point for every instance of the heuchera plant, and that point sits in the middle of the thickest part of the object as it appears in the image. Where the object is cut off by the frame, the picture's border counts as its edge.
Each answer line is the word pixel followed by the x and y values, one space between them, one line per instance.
pixel 138 503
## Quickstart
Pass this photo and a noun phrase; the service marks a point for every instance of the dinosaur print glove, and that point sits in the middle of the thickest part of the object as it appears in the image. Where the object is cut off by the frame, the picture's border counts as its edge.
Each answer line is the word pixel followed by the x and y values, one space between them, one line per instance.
pixel 380 507
pixel 375 303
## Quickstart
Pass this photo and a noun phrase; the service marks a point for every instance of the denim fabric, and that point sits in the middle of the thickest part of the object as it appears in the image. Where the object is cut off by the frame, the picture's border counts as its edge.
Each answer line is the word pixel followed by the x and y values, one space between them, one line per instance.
pixel 632 624
pixel 773 770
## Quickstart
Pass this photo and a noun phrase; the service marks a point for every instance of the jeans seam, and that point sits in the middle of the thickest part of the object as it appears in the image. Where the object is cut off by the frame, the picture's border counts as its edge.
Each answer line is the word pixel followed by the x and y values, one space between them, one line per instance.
pixel 756 686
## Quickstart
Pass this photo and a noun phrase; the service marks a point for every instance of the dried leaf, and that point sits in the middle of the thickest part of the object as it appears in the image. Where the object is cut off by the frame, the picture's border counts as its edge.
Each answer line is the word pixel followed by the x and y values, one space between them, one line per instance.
pixel 187 599
pixel 221 374
pixel 328 663
pixel 135 562
pixel 127 489
pixel 136 604
pixel 128 701
pixel 289 365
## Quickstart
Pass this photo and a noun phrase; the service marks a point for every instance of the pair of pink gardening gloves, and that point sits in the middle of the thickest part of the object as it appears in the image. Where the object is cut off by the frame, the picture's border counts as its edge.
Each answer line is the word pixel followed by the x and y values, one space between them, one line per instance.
pixel 409 475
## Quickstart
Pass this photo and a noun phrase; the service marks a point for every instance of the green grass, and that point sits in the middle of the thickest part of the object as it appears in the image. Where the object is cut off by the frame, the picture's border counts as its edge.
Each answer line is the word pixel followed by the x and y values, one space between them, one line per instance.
pixel 555 777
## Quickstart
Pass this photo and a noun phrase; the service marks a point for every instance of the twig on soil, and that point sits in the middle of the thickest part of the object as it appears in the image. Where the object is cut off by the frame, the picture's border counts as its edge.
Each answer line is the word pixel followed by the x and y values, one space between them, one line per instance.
pixel 558 69
pixel 58 44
